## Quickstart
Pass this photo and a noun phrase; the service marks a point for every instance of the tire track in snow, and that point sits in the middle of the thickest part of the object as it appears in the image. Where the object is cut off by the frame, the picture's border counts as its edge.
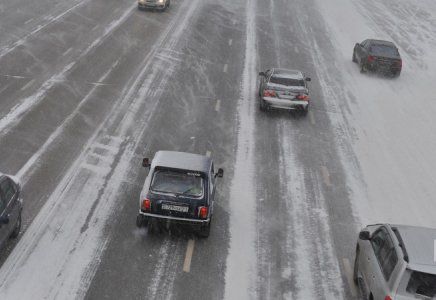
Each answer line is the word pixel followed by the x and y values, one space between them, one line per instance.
pixel 20 110
pixel 311 261
pixel 51 19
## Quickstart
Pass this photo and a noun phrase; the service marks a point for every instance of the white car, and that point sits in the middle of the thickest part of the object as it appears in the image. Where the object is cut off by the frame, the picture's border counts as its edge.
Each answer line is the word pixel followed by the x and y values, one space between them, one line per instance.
pixel 396 262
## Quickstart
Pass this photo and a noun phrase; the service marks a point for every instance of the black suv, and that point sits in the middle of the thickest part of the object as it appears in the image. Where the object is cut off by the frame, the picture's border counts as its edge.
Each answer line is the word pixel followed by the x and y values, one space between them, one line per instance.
pixel 179 188
pixel 378 56
pixel 11 205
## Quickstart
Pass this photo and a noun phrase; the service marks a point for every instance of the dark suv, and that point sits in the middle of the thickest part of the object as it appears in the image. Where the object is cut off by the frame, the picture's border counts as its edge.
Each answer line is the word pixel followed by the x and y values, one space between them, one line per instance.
pixel 180 189
pixel 396 262
pixel 11 205
pixel 378 56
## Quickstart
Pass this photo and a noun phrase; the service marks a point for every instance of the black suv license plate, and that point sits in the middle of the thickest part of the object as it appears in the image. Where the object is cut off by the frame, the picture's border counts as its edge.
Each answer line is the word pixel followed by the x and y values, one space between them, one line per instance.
pixel 175 207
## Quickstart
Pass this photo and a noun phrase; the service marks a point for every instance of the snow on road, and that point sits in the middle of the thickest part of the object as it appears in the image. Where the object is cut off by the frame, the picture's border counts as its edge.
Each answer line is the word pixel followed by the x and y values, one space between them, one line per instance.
pixel 241 261
pixel 393 127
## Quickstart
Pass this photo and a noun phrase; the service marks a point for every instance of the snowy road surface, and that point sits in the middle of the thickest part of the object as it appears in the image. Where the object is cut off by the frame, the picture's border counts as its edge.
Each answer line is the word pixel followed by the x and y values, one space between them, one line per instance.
pixel 89 88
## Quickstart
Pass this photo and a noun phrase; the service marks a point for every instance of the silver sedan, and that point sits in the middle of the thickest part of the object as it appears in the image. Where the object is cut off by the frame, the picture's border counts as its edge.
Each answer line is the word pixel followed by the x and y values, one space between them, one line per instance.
pixel 285 89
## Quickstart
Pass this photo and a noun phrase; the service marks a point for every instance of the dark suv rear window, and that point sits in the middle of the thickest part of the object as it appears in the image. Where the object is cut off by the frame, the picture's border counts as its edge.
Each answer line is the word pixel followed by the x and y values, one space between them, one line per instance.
pixel 190 184
pixel 422 284
pixel 384 50
pixel 287 81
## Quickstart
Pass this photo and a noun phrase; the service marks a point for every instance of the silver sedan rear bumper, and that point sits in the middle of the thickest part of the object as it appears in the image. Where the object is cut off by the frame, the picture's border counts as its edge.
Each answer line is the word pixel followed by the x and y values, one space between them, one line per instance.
pixel 285 103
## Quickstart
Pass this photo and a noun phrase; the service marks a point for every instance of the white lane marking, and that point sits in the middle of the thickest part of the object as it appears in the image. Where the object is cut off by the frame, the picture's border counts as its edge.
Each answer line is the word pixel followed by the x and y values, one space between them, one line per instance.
pixel 57 4
pixel 28 21
pixel 230 42
pixel 349 275
pixel 292 29
pixel 95 27
pixel 312 118
pixel 68 51
pixel 208 153
pixel 116 10
pixel 188 257
pixel 28 84
pixel 218 105
pixel 326 175
pixel 296 49
pixel 234 22
pixel 225 68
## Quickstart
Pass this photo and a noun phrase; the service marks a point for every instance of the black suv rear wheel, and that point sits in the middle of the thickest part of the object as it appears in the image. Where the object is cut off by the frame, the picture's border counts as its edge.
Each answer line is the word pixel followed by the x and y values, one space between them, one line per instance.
pixel 205 230
pixel 17 228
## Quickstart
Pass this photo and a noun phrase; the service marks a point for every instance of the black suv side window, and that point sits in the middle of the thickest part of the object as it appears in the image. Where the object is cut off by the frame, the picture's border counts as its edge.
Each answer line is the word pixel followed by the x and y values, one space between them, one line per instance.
pixel 7 190
pixel 368 46
pixel 384 250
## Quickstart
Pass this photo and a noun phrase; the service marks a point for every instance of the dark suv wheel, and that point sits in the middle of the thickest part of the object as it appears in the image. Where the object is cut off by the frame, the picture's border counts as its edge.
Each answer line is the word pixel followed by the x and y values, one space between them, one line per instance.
pixel 17 228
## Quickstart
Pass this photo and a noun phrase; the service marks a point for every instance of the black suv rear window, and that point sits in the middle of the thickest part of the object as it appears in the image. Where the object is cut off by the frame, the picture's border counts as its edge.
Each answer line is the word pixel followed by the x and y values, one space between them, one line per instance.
pixel 190 184
pixel 286 81
pixel 422 284
pixel 384 50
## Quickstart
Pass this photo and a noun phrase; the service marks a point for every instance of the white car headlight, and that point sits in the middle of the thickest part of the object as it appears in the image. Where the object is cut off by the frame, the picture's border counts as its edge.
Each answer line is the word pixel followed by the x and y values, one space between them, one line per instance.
pixel 161 1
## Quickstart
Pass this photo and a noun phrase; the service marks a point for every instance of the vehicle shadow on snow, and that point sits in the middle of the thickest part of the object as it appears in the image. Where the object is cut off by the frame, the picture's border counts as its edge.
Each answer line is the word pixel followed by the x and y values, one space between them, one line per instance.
pixel 281 113
pixel 174 230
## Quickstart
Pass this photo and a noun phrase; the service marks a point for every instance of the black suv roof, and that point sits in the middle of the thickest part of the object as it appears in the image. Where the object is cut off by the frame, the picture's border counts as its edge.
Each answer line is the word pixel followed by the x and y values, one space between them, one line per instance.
pixel 381 42
pixel 182 161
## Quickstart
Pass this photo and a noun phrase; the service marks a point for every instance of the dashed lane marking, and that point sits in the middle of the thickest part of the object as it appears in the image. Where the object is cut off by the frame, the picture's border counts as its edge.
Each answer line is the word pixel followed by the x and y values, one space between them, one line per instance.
pixel 234 22
pixel 28 21
pixel 296 49
pixel 218 105
pixel 349 275
pixel 312 118
pixel 28 84
pixel 208 153
pixel 95 27
pixel 292 29
pixel 116 10
pixel 225 68
pixel 326 175
pixel 68 51
pixel 188 257
pixel 230 42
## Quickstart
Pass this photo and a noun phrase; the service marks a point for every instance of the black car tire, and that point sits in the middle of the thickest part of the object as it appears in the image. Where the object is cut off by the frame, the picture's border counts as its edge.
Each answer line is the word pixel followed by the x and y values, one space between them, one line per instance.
pixel 356 267
pixel 262 107
pixel 17 228
pixel 363 290
pixel 141 222
pixel 205 230
pixel 362 69
pixel 354 57
pixel 304 112
pixel 168 3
